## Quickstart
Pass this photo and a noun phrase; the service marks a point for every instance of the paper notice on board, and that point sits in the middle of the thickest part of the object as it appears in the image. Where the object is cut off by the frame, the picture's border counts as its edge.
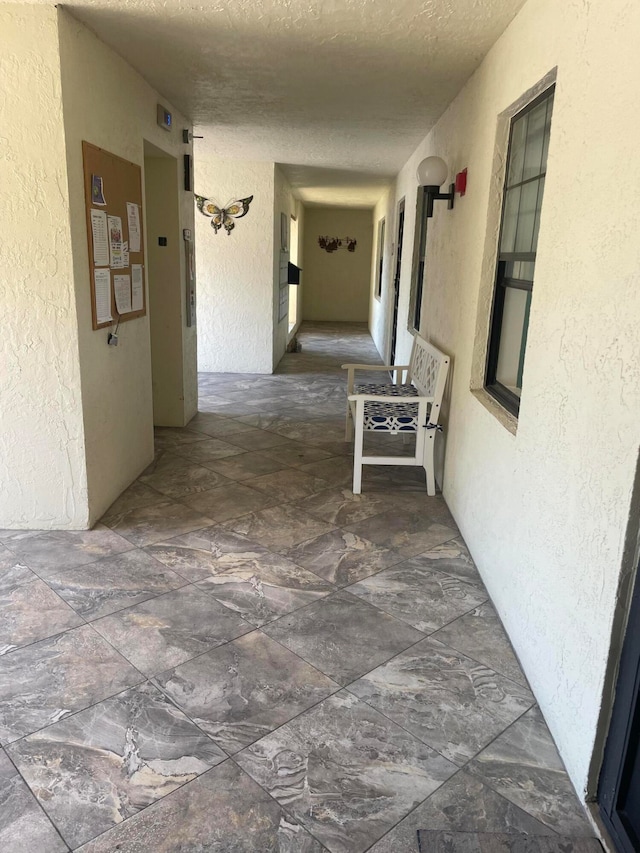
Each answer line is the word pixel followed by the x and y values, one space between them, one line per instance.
pixel 115 242
pixel 102 289
pixel 125 254
pixel 100 236
pixel 137 288
pixel 122 290
pixel 133 220
pixel 97 191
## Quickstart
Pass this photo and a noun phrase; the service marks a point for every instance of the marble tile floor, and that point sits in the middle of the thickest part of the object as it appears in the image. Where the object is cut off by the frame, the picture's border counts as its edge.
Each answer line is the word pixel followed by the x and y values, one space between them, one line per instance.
pixel 244 657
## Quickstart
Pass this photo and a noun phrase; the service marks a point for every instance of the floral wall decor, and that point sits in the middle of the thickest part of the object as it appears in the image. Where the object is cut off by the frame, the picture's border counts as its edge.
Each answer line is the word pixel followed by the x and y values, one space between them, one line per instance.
pixel 332 244
pixel 222 217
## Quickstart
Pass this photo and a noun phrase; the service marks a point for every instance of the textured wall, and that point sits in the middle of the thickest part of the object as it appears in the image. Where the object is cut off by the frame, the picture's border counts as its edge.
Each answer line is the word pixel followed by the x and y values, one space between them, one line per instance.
pixel 107 103
pixel 235 272
pixel 42 465
pixel 336 284
pixel 545 510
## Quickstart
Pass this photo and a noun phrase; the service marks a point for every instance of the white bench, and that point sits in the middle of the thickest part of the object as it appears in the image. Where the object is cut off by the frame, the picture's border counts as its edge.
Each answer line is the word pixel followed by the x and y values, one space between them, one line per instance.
pixel 417 392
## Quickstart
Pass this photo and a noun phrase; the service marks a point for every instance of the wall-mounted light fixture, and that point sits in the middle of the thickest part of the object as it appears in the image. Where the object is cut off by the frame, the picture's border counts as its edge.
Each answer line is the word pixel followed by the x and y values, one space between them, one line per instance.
pixel 432 173
pixel 187 136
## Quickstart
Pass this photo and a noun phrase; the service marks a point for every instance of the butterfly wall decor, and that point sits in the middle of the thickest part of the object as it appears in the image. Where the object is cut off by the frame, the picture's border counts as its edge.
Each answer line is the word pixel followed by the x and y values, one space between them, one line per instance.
pixel 332 244
pixel 222 217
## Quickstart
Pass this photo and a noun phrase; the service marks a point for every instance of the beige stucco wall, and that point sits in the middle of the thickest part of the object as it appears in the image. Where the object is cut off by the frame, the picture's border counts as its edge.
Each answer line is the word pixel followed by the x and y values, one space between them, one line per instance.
pixel 76 420
pixel 107 103
pixel 43 480
pixel 336 284
pixel 235 271
pixel 545 510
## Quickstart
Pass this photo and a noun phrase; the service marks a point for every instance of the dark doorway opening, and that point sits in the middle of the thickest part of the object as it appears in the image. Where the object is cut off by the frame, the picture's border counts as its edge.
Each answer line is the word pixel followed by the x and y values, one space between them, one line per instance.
pixel 619 783
pixel 396 283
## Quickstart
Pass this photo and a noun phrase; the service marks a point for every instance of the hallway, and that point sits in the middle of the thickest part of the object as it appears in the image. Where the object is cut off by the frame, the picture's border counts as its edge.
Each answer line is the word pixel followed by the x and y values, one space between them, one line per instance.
pixel 243 657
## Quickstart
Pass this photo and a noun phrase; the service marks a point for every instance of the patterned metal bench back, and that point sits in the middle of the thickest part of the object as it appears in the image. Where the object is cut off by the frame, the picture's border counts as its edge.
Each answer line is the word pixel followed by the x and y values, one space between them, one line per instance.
pixel 428 372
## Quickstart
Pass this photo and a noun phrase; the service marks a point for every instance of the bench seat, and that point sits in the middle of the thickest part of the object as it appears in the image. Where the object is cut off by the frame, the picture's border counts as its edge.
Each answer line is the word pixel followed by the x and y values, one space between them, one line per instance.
pixel 386 389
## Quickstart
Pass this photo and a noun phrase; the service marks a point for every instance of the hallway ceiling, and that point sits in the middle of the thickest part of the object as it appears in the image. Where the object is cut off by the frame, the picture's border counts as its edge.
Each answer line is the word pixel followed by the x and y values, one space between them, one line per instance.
pixel 350 86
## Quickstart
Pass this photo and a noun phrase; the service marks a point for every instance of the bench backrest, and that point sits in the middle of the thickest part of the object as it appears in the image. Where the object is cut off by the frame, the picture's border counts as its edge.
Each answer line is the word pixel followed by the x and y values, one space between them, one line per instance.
pixel 428 370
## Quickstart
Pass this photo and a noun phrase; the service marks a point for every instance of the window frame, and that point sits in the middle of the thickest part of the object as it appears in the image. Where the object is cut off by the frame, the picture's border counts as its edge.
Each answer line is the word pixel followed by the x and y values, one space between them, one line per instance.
pixel 507 398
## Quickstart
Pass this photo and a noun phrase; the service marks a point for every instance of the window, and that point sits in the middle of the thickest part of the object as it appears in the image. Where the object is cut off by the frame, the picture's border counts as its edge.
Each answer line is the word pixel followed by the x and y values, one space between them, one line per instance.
pixel 419 259
pixel 381 230
pixel 521 205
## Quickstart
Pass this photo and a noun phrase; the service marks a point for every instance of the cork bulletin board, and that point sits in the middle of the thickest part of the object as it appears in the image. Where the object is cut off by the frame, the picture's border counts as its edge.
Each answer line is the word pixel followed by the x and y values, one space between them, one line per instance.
pixel 113 201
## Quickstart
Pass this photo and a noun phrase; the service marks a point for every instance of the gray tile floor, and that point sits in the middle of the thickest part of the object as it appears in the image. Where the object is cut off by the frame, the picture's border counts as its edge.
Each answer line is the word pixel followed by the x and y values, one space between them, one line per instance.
pixel 243 657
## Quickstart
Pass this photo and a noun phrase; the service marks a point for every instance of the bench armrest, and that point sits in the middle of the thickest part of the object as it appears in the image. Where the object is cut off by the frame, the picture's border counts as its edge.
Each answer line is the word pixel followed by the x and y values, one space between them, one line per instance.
pixel 386 367
pixel 373 398
pixel 399 370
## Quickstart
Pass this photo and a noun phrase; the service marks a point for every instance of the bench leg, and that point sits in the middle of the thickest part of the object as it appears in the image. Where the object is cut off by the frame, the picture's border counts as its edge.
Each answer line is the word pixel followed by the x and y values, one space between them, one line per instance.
pixel 348 430
pixel 428 463
pixel 357 448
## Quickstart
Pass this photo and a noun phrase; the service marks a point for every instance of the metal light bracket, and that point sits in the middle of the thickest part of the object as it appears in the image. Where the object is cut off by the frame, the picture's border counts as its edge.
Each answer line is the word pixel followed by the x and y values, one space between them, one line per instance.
pixel 188 136
pixel 432 193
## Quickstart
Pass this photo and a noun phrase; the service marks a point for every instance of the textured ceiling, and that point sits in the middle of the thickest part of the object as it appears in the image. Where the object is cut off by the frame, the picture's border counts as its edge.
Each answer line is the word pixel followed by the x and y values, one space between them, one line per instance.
pixel 343 85
pixel 335 186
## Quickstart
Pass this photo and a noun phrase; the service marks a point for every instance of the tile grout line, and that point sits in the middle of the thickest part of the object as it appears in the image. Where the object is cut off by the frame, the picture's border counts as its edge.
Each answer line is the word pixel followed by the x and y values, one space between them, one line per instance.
pixel 488 600
pixel 231 756
pixel 490 785
pixel 68 716
pixel 194 583
pixel 426 743
pixel 37 801
pixel 415 808
pixel 284 808
pixel 402 619
pixel 86 566
pixel 190 583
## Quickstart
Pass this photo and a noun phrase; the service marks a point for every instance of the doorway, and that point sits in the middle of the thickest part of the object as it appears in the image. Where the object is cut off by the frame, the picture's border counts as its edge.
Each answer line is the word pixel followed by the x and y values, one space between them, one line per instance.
pixel 293 288
pixel 165 288
pixel 619 783
pixel 396 283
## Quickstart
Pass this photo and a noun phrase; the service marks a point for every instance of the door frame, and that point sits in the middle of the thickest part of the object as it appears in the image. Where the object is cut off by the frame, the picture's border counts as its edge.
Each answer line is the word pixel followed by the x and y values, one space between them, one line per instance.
pixel 166 283
pixel 623 739
pixel 395 280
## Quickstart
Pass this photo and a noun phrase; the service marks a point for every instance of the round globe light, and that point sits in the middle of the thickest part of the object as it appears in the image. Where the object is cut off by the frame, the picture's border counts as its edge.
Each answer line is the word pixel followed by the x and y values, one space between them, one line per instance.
pixel 432 172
